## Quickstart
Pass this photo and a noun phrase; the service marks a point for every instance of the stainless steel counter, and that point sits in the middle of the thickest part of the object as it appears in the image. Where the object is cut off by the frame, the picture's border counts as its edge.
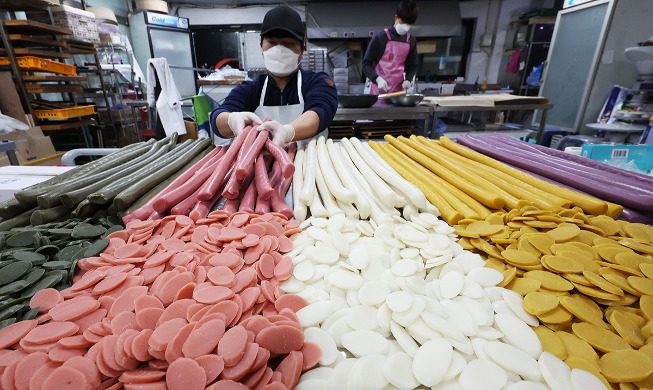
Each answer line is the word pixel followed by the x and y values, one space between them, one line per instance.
pixel 390 112
pixel 385 112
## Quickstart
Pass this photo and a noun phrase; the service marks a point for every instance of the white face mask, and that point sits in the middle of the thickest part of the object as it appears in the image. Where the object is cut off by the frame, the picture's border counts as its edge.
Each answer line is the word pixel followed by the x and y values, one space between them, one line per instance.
pixel 280 61
pixel 402 29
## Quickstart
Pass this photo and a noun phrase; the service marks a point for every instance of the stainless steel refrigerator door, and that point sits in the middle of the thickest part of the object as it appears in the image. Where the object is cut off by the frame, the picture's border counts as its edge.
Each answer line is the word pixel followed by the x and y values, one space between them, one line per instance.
pixel 175 46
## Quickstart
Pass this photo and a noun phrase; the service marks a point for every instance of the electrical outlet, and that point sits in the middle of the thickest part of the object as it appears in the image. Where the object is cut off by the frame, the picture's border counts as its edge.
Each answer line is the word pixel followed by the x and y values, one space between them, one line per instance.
pixel 345 34
pixel 352 34
pixel 371 33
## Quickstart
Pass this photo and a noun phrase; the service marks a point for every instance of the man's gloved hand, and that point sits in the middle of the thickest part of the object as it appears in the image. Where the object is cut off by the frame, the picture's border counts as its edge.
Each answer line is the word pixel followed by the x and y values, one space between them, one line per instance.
pixel 381 84
pixel 407 84
pixel 237 121
pixel 281 134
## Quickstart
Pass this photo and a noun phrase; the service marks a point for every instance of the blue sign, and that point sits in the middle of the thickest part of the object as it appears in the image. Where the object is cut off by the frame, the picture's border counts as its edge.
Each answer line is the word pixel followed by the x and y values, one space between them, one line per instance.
pixel 167 20
pixel 571 3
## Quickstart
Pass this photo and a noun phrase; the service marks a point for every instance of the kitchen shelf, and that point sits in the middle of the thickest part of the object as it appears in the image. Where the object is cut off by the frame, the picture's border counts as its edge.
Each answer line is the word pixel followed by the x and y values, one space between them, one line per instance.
pixel 80 51
pixel 37 78
pixel 538 41
pixel 53 88
pixel 37 40
pixel 28 51
pixel 38 45
pixel 24 5
pixel 33 27
pixel 53 126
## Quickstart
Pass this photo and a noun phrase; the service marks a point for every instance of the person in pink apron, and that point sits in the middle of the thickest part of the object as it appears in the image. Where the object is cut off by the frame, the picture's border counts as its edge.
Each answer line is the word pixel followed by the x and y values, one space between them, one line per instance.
pixel 300 103
pixel 390 61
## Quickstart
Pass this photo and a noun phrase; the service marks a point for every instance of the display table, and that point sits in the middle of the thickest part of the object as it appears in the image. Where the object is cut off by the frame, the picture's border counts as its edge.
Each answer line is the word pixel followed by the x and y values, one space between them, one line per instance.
pixel 385 112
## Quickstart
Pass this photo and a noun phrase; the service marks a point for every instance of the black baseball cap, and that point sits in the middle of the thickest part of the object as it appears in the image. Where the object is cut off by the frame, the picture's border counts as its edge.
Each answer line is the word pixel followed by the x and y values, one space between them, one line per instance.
pixel 285 21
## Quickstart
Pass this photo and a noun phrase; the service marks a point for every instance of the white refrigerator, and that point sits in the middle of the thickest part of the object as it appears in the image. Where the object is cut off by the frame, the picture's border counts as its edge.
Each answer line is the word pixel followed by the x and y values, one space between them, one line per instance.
pixel 159 35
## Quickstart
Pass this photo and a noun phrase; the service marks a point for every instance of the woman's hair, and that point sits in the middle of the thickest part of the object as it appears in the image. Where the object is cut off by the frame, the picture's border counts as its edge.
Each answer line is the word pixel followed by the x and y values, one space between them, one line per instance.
pixel 407 11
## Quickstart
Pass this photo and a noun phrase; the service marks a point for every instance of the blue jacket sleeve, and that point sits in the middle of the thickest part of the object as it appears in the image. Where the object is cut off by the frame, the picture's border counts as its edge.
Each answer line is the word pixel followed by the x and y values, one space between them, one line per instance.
pixel 320 96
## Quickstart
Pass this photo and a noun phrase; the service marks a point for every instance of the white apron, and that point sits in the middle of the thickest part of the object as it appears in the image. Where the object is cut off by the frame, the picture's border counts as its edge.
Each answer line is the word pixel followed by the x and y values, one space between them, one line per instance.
pixel 282 114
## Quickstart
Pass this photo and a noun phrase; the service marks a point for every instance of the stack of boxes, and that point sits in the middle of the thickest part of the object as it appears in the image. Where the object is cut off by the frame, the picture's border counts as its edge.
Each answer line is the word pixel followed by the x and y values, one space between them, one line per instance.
pixel 315 60
pixel 82 23
pixel 341 80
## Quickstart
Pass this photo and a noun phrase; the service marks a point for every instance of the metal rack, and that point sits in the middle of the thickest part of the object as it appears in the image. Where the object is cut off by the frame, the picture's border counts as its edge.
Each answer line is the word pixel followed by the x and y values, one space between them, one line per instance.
pixel 112 85
pixel 538 31
pixel 39 36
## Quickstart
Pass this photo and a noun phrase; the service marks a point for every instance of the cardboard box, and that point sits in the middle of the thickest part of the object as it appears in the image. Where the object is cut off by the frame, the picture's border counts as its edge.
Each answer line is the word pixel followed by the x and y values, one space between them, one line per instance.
pixel 42 147
pixel 31 145
pixel 642 155
pixel 426 46
pixel 191 131
pixel 10 104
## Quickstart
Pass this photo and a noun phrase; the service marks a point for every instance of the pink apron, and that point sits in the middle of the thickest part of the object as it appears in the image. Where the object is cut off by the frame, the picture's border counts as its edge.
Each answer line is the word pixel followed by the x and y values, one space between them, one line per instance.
pixel 391 65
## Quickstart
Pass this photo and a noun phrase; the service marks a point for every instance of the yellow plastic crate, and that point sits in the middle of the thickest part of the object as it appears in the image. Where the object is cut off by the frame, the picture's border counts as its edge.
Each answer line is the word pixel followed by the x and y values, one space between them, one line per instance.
pixel 65 113
pixel 42 65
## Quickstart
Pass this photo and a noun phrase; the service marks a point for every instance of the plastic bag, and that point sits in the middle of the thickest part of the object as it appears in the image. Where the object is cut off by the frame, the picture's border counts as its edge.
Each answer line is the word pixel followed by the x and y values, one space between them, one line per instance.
pixel 9 124
pixel 533 79
pixel 625 165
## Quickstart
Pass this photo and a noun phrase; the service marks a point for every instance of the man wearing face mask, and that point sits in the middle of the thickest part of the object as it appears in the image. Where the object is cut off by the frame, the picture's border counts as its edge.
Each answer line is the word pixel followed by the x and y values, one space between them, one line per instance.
pixel 392 53
pixel 301 103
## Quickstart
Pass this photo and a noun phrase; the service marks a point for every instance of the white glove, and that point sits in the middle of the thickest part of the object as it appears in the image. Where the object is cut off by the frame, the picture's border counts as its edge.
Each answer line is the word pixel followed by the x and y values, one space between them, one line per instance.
pixel 237 121
pixel 381 84
pixel 407 84
pixel 281 134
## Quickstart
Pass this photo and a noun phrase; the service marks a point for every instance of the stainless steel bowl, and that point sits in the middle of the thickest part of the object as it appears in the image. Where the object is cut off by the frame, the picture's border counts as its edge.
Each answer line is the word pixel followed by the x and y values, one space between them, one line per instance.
pixel 408 100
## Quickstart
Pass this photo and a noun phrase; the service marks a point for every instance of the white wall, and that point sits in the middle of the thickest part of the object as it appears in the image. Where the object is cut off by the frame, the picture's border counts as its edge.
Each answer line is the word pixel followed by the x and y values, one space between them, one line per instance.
pixel 221 15
pixel 493 17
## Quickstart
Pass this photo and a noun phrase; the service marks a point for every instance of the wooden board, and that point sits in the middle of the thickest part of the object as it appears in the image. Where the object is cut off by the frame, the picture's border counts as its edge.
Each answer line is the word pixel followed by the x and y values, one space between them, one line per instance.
pixel 48 105
pixel 36 40
pixel 73 50
pixel 21 5
pixel 65 125
pixel 80 47
pixel 53 78
pixel 80 44
pixel 10 103
pixel 28 51
pixel 33 27
pixel 40 88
